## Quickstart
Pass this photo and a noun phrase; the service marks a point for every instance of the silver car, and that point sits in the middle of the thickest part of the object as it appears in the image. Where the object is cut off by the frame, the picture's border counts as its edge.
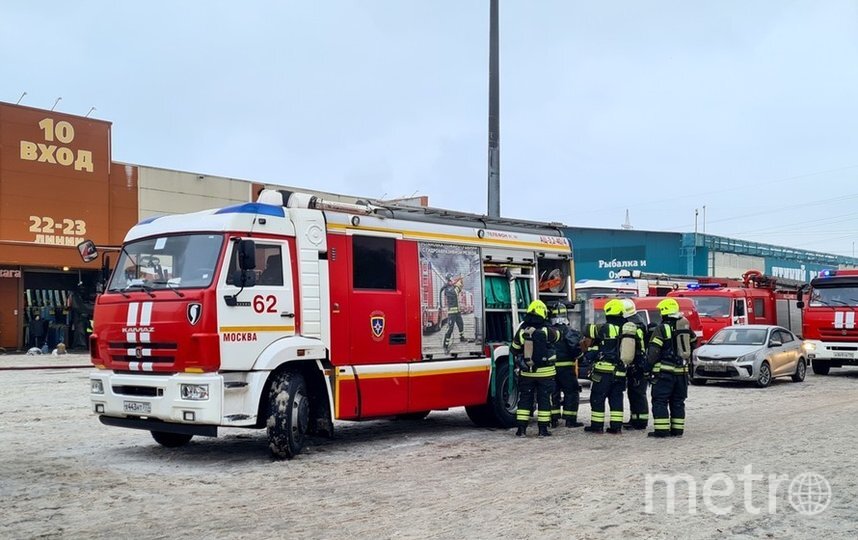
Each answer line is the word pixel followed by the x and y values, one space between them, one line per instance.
pixel 753 352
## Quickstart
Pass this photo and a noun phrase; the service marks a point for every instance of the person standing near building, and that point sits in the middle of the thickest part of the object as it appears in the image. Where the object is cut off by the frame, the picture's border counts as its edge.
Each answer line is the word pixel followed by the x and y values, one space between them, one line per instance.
pixel 564 400
pixel 533 350
pixel 636 372
pixel 668 354
pixel 450 293
pixel 607 337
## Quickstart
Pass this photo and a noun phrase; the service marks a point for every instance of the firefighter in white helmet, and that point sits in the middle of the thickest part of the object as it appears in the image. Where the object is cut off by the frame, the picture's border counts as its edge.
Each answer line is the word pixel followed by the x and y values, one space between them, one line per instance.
pixel 564 400
pixel 637 381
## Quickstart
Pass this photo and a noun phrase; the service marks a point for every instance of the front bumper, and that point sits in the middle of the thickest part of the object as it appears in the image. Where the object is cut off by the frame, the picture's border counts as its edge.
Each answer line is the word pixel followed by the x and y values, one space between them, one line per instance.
pixel 157 398
pixel 729 371
pixel 829 351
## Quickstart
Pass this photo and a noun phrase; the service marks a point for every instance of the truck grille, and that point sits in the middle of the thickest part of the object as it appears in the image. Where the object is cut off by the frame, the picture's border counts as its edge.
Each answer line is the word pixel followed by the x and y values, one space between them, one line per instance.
pixel 137 391
pixel 158 353
pixel 838 334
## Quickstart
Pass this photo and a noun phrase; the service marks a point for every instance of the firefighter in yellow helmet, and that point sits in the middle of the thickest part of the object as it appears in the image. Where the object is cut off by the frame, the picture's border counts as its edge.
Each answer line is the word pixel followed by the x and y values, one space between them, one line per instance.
pixel 607 337
pixel 533 350
pixel 668 355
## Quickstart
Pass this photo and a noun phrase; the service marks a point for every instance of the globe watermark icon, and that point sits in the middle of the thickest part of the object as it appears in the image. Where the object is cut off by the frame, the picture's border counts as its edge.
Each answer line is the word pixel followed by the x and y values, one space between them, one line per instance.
pixel 808 493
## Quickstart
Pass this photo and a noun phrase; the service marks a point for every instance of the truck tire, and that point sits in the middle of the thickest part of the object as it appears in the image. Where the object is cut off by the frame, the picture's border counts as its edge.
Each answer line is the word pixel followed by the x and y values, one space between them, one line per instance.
pixel 820 369
pixel 171 440
pixel 499 409
pixel 800 371
pixel 288 414
pixel 765 377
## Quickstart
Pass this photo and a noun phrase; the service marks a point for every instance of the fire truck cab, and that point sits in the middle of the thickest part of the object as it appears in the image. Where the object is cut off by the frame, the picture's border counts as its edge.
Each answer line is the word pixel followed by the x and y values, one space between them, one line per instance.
pixel 291 312
pixel 755 299
pixel 831 337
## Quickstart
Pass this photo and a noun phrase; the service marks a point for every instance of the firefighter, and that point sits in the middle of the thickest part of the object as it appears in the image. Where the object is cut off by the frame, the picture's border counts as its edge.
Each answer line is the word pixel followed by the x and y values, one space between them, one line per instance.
pixel 533 350
pixel 566 383
pixel 602 375
pixel 668 353
pixel 636 373
pixel 450 292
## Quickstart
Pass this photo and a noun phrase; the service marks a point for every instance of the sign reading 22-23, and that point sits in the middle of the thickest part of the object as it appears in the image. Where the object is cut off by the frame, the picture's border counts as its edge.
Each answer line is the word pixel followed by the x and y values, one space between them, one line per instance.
pixel 62 133
pixel 58 232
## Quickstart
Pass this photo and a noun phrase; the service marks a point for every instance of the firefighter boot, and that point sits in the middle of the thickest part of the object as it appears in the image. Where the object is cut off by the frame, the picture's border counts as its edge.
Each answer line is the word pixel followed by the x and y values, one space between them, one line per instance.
pixel 659 434
pixel 462 338
pixel 521 431
pixel 594 428
pixel 543 431
pixel 571 422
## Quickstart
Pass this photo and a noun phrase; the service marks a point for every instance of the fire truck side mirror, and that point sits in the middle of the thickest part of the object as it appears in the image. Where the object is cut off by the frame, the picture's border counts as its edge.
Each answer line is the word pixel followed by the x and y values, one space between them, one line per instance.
pixel 246 255
pixel 800 304
pixel 88 251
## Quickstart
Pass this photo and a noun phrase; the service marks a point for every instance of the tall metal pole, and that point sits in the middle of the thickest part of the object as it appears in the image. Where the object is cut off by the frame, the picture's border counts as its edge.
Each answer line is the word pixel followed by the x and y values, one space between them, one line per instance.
pixel 494 113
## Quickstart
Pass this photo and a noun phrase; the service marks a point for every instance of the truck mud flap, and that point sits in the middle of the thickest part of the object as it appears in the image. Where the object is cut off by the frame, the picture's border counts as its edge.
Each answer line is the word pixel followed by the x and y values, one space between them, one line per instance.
pixel 158 425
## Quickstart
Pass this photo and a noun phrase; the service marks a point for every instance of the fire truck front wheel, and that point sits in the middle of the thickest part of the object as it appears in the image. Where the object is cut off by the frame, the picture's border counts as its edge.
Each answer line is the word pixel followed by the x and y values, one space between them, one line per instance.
pixel 288 414
pixel 171 440
pixel 820 368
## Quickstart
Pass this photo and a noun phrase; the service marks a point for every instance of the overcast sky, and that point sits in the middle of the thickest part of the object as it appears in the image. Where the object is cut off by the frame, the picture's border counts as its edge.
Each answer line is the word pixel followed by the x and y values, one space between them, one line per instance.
pixel 747 107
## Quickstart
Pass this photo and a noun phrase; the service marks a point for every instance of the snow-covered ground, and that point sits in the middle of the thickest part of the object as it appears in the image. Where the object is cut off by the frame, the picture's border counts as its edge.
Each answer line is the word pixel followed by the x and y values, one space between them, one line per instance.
pixel 63 474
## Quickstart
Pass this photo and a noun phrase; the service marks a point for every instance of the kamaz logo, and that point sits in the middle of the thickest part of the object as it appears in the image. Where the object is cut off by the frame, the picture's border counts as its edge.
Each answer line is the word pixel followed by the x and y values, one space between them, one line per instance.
pixel 138 330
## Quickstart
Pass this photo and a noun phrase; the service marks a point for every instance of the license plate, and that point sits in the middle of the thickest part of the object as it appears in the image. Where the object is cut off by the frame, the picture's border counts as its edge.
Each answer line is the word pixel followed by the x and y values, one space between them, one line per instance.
pixel 137 407
pixel 716 367
pixel 842 354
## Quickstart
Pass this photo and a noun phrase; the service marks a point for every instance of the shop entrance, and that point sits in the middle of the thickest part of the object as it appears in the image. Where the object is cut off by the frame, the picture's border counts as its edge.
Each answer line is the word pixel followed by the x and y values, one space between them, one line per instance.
pixel 57 308
pixel 10 283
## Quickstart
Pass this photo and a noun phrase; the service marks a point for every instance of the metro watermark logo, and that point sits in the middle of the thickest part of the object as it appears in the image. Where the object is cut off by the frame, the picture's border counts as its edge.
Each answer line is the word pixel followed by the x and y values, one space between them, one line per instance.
pixel 807 493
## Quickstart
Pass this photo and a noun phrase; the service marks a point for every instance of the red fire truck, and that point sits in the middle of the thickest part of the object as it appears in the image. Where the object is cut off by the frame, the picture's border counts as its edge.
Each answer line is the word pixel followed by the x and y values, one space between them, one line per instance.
pixel 831 337
pixel 631 283
pixel 292 312
pixel 755 299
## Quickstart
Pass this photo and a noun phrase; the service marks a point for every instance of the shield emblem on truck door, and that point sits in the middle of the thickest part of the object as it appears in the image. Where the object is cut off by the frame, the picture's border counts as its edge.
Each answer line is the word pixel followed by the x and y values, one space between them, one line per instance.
pixel 376 322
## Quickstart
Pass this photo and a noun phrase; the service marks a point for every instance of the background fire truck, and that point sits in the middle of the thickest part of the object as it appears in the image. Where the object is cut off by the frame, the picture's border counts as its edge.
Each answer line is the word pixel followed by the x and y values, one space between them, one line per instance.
pixel 829 331
pixel 631 283
pixel 292 312
pixel 753 299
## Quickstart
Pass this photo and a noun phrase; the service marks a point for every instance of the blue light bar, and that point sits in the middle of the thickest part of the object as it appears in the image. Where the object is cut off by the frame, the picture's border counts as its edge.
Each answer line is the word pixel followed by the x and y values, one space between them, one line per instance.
pixel 254 208
pixel 696 286
pixel 828 273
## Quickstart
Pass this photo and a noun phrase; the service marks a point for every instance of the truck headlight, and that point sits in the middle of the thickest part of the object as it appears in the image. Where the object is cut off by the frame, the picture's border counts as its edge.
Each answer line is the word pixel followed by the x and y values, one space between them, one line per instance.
pixel 808 346
pixel 96 386
pixel 195 392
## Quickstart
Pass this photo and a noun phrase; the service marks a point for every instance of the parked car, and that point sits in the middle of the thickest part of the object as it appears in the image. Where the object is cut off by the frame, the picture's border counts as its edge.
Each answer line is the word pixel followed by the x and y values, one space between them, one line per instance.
pixel 754 352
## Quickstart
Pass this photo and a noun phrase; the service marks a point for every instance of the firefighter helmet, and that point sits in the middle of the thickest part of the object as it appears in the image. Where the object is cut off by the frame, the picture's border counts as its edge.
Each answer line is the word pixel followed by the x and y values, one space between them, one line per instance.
pixel 559 313
pixel 539 308
pixel 629 308
pixel 668 307
pixel 614 307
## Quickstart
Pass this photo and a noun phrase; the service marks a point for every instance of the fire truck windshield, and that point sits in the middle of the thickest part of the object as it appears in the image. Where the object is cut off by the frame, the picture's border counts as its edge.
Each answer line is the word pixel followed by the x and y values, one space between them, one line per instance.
pixel 174 262
pixel 712 306
pixel 834 296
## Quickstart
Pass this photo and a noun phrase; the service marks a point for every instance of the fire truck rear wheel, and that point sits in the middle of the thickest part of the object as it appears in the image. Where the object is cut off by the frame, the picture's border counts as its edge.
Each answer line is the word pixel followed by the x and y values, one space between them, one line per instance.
pixel 288 414
pixel 171 440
